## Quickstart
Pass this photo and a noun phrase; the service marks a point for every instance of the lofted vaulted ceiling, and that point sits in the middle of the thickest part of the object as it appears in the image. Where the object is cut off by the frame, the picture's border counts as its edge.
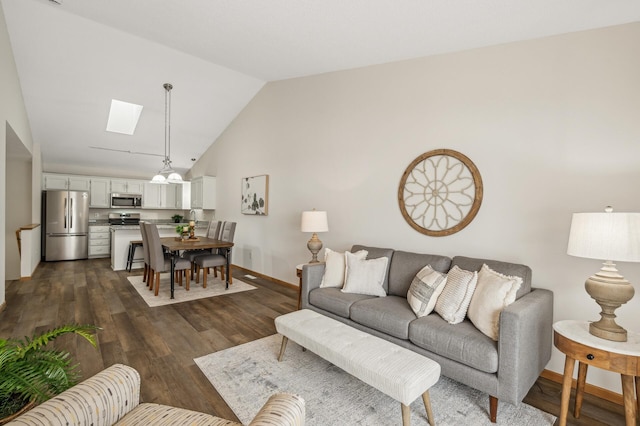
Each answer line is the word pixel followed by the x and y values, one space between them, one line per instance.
pixel 74 57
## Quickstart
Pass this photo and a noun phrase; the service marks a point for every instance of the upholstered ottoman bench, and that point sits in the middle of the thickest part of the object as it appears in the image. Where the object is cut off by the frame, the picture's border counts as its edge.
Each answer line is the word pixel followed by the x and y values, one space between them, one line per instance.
pixel 398 372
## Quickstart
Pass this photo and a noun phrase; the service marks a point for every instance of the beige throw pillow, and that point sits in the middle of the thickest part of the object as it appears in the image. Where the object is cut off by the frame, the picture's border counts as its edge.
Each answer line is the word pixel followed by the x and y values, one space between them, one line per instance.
pixel 365 276
pixel 425 289
pixel 454 300
pixel 334 269
pixel 494 292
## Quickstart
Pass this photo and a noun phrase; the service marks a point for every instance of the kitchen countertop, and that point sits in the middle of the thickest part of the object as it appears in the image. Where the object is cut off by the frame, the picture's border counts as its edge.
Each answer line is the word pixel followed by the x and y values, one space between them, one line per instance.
pixel 161 225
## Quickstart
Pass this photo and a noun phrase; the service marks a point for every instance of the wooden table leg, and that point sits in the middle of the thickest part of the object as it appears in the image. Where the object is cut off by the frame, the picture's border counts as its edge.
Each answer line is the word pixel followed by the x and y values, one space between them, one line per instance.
pixel 582 378
pixel 406 415
pixel 569 363
pixel 628 393
pixel 637 395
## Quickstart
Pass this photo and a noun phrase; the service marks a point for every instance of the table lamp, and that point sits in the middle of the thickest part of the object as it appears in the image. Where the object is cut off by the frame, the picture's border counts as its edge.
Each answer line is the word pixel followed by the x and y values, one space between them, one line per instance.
pixel 610 237
pixel 314 221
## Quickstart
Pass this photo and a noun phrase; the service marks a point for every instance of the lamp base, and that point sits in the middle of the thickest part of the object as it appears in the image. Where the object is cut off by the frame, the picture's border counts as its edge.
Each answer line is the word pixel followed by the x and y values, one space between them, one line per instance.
pixel 610 290
pixel 604 331
pixel 314 245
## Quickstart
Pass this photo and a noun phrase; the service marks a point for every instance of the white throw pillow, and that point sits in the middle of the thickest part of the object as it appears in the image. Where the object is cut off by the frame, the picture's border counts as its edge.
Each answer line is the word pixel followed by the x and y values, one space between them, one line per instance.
pixel 454 300
pixel 425 289
pixel 334 269
pixel 494 292
pixel 365 276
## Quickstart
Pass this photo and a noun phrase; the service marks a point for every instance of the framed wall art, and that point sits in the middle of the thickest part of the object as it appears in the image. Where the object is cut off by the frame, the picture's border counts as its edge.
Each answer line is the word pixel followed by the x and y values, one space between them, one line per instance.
pixel 440 192
pixel 255 195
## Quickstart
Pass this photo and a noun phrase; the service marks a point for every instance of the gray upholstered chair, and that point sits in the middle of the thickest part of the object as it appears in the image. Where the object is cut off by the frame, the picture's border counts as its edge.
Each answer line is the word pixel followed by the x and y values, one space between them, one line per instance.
pixel 160 262
pixel 216 259
pixel 213 231
pixel 145 250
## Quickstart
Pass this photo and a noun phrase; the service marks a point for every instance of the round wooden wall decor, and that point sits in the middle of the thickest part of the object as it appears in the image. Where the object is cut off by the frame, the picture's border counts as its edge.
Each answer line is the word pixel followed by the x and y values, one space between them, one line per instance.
pixel 440 192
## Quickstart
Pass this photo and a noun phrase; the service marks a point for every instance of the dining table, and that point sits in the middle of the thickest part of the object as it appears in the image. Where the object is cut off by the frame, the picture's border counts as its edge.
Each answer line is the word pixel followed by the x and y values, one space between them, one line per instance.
pixel 175 245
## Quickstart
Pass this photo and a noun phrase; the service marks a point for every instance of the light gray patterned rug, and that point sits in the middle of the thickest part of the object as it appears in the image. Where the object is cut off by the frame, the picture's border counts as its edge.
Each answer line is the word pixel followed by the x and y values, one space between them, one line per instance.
pixel 215 287
pixel 246 375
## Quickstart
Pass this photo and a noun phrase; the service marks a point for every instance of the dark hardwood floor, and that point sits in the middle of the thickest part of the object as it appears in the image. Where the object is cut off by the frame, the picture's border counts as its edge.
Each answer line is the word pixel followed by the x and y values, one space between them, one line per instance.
pixel 162 342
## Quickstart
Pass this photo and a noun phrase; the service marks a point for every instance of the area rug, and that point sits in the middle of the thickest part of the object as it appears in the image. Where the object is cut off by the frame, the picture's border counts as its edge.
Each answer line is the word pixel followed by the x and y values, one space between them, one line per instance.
pixel 215 287
pixel 246 375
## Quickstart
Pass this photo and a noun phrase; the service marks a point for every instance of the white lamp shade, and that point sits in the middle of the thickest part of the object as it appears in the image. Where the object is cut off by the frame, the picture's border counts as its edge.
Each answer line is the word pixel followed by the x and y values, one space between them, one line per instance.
pixel 159 179
pixel 605 236
pixel 174 178
pixel 314 221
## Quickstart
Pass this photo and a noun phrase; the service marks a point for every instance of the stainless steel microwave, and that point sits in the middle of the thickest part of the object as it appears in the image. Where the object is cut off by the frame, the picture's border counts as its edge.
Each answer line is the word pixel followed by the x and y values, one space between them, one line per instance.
pixel 126 201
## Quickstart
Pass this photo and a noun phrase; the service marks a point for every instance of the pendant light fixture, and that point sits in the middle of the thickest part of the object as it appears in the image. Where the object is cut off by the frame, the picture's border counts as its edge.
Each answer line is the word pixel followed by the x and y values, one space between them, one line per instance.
pixel 167 175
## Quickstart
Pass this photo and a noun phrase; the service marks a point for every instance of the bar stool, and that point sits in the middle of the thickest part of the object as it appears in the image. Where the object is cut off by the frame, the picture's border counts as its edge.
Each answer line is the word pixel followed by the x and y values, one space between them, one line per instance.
pixel 133 245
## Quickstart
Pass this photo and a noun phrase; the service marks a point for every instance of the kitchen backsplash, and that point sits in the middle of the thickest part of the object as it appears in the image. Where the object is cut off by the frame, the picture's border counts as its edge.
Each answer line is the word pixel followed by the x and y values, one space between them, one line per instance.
pixel 201 215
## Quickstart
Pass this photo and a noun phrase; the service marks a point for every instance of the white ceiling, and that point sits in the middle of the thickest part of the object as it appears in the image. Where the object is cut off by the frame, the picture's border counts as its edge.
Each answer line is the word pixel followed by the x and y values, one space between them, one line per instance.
pixel 74 58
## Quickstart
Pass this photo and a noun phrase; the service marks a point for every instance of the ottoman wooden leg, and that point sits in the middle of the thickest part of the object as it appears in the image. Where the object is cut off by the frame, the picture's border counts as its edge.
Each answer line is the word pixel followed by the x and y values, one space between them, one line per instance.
pixel 427 405
pixel 285 339
pixel 406 415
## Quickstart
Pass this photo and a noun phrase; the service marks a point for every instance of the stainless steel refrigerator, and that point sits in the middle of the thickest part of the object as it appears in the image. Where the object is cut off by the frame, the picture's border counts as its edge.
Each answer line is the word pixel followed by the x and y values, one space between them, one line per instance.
pixel 65 216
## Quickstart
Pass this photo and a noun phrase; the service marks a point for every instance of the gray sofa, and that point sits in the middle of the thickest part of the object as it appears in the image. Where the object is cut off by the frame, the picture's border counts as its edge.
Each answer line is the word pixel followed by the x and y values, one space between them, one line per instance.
pixel 505 369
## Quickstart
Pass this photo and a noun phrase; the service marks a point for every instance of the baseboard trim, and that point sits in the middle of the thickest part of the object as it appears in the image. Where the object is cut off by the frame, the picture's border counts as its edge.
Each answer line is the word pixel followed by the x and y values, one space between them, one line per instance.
pixel 3 305
pixel 602 393
pixel 25 278
pixel 266 277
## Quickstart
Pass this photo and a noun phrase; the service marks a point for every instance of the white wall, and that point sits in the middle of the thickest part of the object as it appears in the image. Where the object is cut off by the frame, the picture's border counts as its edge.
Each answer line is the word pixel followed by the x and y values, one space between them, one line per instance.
pixel 12 111
pixel 552 125
pixel 18 212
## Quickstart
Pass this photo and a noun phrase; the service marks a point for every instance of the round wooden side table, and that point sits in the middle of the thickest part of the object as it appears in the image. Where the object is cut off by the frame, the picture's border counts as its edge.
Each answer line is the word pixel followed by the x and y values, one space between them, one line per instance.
pixel 574 340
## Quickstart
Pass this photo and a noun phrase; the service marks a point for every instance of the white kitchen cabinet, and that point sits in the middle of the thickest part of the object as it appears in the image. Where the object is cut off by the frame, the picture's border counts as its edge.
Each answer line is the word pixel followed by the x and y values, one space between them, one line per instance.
pixel 161 196
pixel 100 191
pixel 79 183
pixel 70 182
pixel 185 190
pixel 127 186
pixel 203 193
pixel 99 241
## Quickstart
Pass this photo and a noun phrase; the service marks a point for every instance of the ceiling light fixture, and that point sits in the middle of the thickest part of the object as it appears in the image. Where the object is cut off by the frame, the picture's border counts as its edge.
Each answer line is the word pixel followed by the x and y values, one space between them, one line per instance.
pixel 167 175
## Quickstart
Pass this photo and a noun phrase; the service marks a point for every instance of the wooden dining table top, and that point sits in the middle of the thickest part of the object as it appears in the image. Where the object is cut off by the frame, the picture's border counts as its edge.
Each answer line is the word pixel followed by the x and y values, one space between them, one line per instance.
pixel 172 244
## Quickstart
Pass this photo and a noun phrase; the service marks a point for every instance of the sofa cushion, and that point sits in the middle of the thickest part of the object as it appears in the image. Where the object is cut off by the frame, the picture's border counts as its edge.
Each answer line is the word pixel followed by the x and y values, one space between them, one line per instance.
pixel 374 253
pixel 406 265
pixel 365 276
pixel 460 342
pixel 425 289
pixel 335 267
pixel 334 300
pixel 454 300
pixel 390 315
pixel 506 268
pixel 494 292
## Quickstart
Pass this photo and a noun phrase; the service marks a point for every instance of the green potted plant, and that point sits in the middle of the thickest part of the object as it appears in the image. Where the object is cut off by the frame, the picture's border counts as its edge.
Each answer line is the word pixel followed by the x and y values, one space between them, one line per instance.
pixel 176 218
pixel 32 373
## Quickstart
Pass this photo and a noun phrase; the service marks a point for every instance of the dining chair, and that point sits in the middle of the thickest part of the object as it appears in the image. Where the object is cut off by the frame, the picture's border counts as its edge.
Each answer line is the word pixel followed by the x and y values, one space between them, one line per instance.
pixel 213 231
pixel 145 251
pixel 216 259
pixel 160 262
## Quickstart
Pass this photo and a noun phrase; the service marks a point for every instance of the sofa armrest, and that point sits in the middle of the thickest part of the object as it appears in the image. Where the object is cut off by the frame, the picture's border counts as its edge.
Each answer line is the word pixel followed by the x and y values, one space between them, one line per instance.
pixel 282 409
pixel 524 344
pixel 311 278
pixel 101 399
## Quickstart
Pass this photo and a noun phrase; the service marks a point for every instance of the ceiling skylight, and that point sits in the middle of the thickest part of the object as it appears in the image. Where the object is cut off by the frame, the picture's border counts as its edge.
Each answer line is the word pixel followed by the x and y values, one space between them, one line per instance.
pixel 123 117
